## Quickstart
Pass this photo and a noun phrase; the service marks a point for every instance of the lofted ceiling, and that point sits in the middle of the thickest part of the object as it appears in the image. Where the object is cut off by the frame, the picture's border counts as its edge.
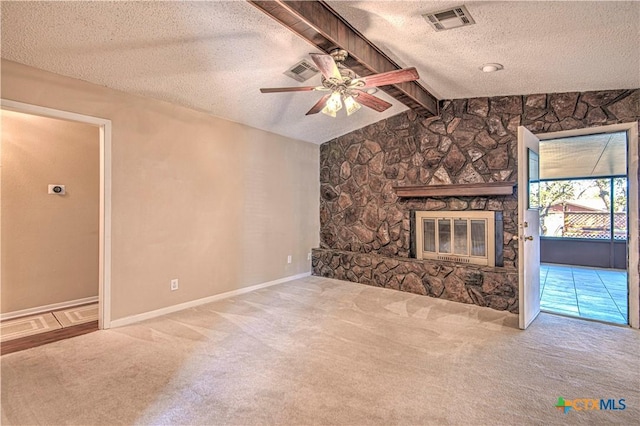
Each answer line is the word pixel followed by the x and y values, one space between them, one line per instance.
pixel 545 46
pixel 213 56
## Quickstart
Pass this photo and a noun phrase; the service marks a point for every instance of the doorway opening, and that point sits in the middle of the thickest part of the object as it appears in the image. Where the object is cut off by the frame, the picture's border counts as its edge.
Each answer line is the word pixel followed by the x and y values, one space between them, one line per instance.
pixel 584 234
pixel 81 210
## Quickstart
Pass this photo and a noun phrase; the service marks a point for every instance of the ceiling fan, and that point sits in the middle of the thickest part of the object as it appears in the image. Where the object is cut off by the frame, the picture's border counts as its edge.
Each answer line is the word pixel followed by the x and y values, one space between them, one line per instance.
pixel 343 85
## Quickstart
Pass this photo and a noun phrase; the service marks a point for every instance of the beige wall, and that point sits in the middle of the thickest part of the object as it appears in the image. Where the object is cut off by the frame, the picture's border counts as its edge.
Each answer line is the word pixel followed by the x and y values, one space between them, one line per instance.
pixel 49 242
pixel 216 204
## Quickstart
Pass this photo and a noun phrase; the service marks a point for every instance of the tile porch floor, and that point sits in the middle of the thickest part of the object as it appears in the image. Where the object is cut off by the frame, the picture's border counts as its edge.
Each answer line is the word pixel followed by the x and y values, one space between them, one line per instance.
pixel 599 294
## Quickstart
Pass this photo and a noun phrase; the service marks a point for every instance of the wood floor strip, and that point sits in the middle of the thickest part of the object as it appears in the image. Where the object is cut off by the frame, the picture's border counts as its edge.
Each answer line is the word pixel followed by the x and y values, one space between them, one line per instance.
pixel 48 337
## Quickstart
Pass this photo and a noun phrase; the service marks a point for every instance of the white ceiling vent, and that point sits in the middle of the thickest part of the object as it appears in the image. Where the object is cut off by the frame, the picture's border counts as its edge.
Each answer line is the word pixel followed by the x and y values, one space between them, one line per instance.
pixel 302 71
pixel 450 18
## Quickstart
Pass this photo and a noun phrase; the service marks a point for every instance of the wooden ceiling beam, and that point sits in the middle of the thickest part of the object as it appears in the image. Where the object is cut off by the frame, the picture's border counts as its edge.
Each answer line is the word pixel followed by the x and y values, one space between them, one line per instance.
pixel 320 25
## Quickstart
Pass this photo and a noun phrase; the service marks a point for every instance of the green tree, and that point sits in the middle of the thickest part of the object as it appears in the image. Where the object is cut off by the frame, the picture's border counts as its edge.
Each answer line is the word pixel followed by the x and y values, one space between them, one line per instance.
pixel 603 187
pixel 620 195
pixel 552 192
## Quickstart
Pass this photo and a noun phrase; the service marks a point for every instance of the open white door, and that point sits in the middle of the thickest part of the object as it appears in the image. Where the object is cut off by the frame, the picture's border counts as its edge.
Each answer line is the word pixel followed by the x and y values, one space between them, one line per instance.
pixel 528 226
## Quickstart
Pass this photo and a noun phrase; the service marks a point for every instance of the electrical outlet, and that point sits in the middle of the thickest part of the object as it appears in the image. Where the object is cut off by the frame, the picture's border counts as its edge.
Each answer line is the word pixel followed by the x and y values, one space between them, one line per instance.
pixel 289 259
pixel 308 256
pixel 174 284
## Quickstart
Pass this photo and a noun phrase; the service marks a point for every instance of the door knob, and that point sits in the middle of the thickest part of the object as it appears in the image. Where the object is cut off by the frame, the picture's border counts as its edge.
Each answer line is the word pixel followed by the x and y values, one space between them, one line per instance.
pixel 530 238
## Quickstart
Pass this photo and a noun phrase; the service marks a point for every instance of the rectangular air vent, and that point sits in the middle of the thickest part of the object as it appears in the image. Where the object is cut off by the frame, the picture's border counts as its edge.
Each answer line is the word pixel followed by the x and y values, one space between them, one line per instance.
pixel 450 18
pixel 302 71
pixel 453 259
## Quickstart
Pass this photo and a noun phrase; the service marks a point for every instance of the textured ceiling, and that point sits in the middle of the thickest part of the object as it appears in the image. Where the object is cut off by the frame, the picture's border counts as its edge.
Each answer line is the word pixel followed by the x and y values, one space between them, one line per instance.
pixel 214 56
pixel 210 56
pixel 545 46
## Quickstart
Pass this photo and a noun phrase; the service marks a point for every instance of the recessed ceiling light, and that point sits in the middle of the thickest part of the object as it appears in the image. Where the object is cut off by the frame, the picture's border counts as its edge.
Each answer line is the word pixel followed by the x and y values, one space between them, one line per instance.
pixel 491 67
pixel 372 91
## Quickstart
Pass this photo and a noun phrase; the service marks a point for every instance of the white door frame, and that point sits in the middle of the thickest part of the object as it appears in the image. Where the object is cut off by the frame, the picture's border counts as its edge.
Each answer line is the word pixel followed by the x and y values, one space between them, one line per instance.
pixel 632 205
pixel 104 268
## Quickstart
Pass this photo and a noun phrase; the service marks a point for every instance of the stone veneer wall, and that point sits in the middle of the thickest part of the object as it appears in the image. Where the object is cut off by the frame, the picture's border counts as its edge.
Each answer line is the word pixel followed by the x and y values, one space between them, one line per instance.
pixel 364 227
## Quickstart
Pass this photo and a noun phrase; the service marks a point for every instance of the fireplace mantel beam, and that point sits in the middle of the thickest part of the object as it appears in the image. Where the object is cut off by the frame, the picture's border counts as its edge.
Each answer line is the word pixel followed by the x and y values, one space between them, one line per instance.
pixel 323 27
pixel 461 190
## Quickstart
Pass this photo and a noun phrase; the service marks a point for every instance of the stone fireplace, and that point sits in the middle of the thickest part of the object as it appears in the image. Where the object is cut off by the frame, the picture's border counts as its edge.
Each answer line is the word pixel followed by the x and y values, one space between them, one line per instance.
pixel 366 228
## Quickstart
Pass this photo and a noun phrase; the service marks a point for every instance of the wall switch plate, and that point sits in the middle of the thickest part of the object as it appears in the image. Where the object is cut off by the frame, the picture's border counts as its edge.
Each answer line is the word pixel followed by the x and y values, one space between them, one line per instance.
pixel 308 256
pixel 289 259
pixel 55 189
pixel 174 284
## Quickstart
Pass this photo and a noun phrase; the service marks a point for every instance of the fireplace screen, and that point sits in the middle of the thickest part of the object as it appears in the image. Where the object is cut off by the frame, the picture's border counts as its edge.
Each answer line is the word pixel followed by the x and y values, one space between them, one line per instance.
pixel 466 237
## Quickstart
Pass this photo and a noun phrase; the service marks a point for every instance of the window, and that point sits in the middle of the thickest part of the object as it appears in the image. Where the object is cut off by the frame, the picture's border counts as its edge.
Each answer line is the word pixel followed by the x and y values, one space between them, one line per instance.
pixel 584 208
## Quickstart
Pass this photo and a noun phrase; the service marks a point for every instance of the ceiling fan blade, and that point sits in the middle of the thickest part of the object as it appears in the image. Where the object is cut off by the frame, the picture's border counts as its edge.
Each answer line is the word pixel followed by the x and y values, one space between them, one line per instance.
pixel 319 105
pixel 371 101
pixel 288 89
pixel 326 65
pixel 391 77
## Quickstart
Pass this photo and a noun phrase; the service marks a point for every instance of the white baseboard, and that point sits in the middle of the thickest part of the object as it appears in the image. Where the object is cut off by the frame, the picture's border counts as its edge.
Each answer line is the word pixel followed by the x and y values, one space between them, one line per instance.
pixel 179 307
pixel 47 308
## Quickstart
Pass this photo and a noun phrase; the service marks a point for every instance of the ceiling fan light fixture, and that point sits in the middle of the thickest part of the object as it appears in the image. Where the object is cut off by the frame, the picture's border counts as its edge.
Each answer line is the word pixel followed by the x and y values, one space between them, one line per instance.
pixel 344 85
pixel 334 104
pixel 350 104
pixel 327 111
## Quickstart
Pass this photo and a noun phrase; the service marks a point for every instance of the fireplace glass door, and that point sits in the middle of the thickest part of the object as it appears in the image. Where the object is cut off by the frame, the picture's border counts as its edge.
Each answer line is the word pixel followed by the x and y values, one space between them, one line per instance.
pixel 452 236
pixel 478 238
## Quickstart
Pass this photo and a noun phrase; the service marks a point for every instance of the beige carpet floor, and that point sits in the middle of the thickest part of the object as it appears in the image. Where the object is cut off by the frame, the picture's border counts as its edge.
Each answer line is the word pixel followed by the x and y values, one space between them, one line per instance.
pixel 320 351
